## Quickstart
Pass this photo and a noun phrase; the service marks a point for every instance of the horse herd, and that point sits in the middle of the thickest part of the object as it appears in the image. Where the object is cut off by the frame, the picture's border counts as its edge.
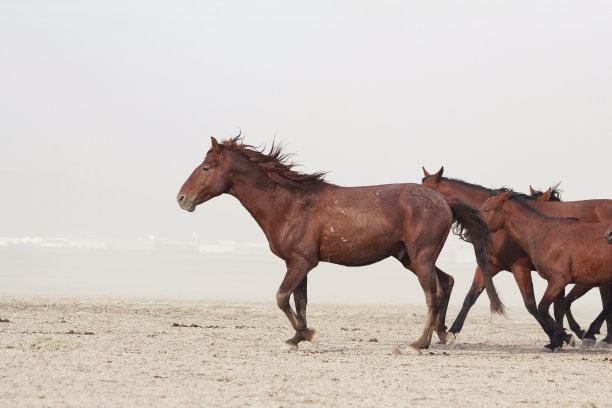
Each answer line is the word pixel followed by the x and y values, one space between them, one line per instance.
pixel 308 220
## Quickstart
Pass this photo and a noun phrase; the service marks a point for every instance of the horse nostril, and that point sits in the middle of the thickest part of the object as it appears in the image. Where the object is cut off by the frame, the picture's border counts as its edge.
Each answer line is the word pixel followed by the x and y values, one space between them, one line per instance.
pixel 180 198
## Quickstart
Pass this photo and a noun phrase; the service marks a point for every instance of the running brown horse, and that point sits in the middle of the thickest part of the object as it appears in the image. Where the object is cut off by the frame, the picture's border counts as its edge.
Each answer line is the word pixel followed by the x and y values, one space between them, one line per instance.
pixel 507 255
pixel 307 220
pixel 563 250
pixel 553 194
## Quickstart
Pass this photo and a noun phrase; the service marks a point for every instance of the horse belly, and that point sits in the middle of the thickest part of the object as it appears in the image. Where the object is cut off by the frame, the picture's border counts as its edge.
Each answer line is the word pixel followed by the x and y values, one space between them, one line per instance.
pixel 357 246
pixel 592 267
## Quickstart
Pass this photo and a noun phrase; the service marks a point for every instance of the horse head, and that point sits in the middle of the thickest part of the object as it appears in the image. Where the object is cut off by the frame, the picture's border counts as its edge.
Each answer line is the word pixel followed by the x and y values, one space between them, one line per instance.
pixel 208 180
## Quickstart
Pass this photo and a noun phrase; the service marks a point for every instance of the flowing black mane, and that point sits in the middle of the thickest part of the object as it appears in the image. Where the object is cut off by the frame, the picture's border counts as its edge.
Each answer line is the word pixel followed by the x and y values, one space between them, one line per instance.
pixel 276 163
pixel 521 199
pixel 490 191
pixel 554 196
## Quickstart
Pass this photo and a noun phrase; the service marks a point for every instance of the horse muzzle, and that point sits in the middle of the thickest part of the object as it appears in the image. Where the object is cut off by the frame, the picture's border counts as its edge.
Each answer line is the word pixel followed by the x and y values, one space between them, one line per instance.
pixel 186 203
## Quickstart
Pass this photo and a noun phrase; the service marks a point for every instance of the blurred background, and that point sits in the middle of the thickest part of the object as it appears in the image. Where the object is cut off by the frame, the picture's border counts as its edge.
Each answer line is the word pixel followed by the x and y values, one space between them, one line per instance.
pixel 107 106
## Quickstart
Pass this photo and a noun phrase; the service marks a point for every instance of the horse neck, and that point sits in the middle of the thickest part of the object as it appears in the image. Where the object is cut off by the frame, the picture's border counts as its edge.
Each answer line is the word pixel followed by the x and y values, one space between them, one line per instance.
pixel 262 198
pixel 525 226
pixel 470 195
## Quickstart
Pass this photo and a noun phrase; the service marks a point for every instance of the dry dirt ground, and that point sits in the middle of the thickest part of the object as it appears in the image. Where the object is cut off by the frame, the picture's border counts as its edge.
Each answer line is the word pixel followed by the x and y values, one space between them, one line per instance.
pixel 94 353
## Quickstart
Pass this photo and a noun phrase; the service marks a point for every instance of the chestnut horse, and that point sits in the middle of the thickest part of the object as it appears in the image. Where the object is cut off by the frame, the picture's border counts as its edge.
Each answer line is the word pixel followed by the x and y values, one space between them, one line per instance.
pixel 578 290
pixel 563 250
pixel 307 220
pixel 507 255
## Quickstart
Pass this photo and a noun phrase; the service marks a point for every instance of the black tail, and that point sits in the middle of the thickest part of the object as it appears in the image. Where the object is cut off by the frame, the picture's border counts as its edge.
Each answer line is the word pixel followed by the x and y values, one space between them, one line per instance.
pixel 472 228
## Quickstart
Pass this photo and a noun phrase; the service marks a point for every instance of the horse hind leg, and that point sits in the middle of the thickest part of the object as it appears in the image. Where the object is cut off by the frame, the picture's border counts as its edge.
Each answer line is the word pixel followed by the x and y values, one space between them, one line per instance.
pixel 606 297
pixel 470 298
pixel 589 337
pixel 446 284
pixel 574 294
pixel 428 279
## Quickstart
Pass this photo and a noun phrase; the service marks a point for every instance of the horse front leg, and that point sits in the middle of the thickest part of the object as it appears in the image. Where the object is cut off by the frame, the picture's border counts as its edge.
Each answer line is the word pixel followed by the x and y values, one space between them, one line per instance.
pixel 554 331
pixel 295 282
pixel 300 297
pixel 522 276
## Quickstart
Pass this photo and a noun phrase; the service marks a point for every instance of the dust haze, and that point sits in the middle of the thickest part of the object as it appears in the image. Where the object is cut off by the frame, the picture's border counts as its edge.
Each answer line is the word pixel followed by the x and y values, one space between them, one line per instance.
pixel 106 108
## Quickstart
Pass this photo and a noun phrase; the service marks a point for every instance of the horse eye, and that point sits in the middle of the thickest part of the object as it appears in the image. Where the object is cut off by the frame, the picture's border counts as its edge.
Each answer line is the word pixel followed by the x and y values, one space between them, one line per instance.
pixel 205 169
pixel 486 210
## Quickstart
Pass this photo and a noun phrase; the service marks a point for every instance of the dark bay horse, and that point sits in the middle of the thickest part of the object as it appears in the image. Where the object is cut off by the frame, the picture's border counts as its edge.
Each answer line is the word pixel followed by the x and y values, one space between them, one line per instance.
pixel 507 254
pixel 307 220
pixel 563 250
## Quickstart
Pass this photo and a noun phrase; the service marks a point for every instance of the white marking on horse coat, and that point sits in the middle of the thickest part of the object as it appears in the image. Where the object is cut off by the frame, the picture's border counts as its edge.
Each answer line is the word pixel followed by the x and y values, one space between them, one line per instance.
pixel 331 229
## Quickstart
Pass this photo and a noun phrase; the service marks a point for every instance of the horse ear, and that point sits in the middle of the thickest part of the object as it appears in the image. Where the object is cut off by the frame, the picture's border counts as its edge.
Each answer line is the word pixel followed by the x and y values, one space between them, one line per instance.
pixel 506 195
pixel 215 145
pixel 546 195
pixel 531 190
pixel 438 175
pixel 426 172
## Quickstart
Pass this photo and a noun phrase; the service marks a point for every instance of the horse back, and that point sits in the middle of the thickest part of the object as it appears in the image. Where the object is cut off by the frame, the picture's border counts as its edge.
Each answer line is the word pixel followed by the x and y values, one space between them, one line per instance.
pixel 362 225
pixel 592 211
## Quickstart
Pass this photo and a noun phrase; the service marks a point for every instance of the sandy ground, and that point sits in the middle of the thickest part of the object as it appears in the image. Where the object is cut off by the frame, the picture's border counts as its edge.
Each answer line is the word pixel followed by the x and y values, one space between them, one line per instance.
pixel 94 353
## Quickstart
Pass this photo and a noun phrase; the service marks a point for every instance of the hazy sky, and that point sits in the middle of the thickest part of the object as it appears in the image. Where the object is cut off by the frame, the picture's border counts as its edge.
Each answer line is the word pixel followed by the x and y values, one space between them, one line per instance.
pixel 107 106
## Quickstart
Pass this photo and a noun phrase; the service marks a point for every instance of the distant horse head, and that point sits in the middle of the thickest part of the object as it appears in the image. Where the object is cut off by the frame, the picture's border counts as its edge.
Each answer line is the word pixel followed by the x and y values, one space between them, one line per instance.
pixel 431 181
pixel 493 212
pixel 552 194
pixel 609 235
pixel 208 180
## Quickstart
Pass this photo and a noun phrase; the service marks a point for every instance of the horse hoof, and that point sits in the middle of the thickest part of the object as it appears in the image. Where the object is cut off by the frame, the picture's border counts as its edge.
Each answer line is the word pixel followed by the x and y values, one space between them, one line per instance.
pixel 572 341
pixel 408 350
pixel 288 346
pixel 314 338
pixel 587 342
pixel 603 343
pixel 450 340
pixel 412 349
pixel 549 348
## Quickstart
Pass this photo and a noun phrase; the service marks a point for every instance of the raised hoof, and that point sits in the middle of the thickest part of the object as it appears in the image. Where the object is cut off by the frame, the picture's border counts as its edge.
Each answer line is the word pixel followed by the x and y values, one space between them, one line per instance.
pixel 571 341
pixel 587 342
